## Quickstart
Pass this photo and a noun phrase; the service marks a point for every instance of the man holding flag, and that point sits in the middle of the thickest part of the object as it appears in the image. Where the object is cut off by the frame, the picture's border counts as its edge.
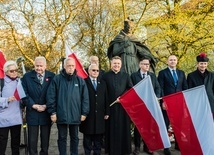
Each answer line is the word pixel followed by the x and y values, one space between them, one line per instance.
pixel 144 110
pixel 137 77
pixel 118 132
pixel 171 80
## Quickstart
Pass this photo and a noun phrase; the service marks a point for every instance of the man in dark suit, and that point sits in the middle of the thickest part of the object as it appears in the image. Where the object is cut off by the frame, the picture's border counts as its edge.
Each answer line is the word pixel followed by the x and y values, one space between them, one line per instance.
pixel 35 84
pixel 137 77
pixel 93 127
pixel 171 80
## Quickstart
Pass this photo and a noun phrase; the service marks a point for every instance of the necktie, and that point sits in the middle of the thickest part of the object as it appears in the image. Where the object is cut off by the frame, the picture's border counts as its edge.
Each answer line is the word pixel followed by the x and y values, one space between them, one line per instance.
pixel 143 75
pixel 175 77
pixel 40 77
pixel 94 84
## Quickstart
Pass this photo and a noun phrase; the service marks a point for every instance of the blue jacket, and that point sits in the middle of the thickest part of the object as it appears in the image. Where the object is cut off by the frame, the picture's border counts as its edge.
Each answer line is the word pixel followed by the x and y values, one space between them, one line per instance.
pixel 68 97
pixel 36 94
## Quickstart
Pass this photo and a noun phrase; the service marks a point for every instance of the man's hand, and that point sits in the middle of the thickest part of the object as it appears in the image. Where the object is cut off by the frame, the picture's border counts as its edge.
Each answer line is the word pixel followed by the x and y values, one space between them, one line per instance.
pixel 163 106
pixel 53 118
pixel 83 117
pixel 39 108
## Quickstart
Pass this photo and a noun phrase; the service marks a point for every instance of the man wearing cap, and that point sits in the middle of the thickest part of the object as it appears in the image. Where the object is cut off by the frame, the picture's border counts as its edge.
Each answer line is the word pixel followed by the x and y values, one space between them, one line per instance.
pixel 201 76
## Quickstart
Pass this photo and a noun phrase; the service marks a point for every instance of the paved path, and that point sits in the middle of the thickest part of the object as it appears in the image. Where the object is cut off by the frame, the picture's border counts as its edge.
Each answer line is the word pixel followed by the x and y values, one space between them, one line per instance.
pixel 53 150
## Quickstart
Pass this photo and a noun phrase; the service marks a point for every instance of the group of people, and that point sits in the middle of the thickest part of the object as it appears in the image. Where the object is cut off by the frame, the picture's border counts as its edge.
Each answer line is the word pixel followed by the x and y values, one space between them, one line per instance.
pixel 77 104
pixel 171 80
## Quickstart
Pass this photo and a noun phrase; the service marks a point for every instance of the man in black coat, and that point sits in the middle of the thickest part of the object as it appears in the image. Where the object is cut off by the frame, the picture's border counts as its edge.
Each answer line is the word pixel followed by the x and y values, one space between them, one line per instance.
pixel 201 76
pixel 171 80
pixel 137 77
pixel 118 132
pixel 35 84
pixel 93 127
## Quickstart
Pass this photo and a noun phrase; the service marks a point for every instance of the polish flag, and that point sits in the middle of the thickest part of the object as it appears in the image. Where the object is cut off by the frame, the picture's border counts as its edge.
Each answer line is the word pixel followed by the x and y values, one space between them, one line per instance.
pixel 79 68
pixel 19 92
pixel 2 62
pixel 190 115
pixel 142 106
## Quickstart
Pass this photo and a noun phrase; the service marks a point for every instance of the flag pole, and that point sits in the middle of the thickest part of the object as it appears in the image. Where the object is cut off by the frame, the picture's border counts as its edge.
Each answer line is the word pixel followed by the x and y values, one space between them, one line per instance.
pixel 113 103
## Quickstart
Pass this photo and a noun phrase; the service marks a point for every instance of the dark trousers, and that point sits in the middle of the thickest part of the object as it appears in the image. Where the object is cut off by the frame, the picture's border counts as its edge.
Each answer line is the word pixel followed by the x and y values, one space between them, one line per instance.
pixel 166 119
pixel 138 139
pixel 15 132
pixel 92 142
pixel 167 123
pixel 62 138
pixel 33 134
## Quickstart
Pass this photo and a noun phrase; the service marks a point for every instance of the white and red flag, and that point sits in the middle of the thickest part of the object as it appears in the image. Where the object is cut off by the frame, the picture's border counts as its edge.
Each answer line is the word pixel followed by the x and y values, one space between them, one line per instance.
pixel 79 68
pixel 19 92
pixel 2 62
pixel 190 116
pixel 141 104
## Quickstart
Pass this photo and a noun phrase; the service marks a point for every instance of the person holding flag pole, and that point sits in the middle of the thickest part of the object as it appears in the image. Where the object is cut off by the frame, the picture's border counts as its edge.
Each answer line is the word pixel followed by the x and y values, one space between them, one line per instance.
pixel 11 119
pixel 118 131
pixel 136 77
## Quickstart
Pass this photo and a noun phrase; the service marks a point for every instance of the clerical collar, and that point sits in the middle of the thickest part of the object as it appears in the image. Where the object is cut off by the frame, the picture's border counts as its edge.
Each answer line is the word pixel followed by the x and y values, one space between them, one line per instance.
pixel 115 72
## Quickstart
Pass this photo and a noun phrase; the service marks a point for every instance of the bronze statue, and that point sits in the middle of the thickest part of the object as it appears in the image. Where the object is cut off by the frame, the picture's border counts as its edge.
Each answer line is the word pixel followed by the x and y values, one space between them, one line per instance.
pixel 130 49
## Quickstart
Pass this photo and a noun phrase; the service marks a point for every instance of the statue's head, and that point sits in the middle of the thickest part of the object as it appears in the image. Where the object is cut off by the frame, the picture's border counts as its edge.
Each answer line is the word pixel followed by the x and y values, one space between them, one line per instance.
pixel 128 25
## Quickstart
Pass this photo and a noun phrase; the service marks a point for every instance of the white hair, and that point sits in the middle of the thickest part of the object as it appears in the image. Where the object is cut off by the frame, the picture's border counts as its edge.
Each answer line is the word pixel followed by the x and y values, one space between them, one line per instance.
pixel 40 58
pixel 9 63
pixel 91 65
pixel 67 59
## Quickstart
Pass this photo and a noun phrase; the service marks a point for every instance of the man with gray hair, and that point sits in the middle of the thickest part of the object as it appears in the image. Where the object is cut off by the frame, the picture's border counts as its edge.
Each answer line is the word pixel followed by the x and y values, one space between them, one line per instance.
pixel 35 84
pixel 93 127
pixel 68 105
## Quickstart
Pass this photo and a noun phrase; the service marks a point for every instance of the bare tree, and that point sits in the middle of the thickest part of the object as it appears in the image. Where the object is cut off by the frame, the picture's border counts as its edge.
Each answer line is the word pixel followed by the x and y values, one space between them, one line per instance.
pixel 43 23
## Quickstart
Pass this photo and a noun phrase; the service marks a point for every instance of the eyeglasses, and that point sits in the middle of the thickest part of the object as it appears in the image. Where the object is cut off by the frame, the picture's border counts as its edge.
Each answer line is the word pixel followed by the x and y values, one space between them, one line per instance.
pixel 95 70
pixel 13 71
pixel 145 64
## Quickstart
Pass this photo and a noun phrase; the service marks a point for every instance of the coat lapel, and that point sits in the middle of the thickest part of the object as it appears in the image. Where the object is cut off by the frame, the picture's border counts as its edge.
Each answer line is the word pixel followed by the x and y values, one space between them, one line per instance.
pixel 34 77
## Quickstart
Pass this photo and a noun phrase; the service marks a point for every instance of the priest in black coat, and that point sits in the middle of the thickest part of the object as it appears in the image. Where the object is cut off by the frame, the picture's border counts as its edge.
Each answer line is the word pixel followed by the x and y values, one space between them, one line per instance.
pixel 201 76
pixel 93 127
pixel 118 133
